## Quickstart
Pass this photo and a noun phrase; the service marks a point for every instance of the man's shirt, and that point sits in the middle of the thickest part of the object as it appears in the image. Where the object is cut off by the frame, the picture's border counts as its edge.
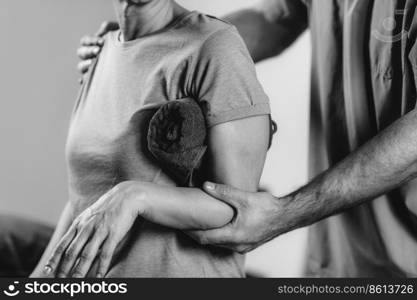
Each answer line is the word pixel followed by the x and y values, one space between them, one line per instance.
pixel 364 75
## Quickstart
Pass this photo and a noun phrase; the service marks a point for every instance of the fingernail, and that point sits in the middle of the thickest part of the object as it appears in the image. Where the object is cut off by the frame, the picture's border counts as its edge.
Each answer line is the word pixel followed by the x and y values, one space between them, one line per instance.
pixel 47 270
pixel 101 41
pixel 96 50
pixel 99 275
pixel 210 186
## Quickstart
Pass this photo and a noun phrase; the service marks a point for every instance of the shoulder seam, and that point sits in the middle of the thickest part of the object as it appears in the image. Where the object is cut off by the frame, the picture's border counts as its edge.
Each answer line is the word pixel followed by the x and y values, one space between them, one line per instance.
pixel 230 28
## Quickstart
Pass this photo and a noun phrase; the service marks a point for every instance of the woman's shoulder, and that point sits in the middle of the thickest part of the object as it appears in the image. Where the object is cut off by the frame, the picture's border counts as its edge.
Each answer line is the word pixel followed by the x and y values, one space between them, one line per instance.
pixel 211 31
pixel 204 23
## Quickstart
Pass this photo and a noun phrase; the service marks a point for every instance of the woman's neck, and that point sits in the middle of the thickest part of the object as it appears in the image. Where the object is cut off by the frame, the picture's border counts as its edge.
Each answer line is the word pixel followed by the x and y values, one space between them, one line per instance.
pixel 140 20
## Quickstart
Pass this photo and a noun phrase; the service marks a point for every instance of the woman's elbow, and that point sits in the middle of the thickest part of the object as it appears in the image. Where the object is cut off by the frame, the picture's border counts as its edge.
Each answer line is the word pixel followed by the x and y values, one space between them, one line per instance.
pixel 218 215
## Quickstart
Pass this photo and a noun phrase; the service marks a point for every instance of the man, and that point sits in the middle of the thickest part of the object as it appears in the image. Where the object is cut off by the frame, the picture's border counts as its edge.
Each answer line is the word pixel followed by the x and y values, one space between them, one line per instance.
pixel 363 137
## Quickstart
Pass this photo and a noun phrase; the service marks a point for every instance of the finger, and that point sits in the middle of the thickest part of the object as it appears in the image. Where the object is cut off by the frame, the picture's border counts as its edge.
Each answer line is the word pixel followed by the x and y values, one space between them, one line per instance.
pixel 88 41
pixel 84 65
pixel 92 273
pixel 72 253
pixel 106 27
pixel 53 262
pixel 228 194
pixel 87 52
pixel 88 256
pixel 215 237
pixel 106 256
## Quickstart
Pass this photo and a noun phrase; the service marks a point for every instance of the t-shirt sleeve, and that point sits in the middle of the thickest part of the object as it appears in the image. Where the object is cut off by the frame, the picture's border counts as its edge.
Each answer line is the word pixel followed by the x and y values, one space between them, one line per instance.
pixel 224 80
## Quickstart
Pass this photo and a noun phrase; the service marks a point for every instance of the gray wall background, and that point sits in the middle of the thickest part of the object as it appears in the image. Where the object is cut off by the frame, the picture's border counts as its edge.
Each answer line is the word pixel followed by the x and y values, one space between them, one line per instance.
pixel 38 86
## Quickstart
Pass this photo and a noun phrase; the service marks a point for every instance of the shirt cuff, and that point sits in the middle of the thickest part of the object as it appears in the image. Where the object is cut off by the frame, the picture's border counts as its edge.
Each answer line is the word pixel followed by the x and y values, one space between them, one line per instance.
pixel 238 113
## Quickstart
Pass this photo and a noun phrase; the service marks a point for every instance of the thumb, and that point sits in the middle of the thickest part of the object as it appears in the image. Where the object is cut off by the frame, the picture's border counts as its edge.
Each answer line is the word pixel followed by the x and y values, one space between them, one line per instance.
pixel 226 193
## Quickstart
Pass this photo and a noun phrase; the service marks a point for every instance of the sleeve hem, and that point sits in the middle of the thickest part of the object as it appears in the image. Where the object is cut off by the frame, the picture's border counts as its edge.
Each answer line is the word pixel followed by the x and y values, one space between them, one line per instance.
pixel 238 113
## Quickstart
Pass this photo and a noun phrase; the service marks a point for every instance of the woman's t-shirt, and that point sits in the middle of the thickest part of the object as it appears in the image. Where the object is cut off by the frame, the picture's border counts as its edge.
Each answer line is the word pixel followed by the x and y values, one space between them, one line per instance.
pixel 198 56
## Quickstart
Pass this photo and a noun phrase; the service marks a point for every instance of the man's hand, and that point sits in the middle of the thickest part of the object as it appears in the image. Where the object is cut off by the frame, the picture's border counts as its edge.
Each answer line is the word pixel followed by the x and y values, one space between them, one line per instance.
pixel 91 45
pixel 256 222
pixel 382 164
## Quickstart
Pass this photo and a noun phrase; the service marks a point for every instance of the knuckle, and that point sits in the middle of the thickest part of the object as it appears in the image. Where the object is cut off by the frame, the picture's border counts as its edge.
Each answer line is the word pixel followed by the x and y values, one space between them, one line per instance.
pixel 79 227
pixel 105 255
pixel 77 221
pixel 69 254
pixel 85 257
pixel 84 65
pixel 104 25
pixel 87 213
pixel 80 66
pixel 60 249
pixel 101 230
pixel 223 190
pixel 111 231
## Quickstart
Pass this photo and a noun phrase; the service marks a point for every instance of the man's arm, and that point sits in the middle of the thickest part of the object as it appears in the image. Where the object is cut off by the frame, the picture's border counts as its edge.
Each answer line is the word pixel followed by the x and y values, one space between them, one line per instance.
pixel 271 26
pixel 267 29
pixel 384 163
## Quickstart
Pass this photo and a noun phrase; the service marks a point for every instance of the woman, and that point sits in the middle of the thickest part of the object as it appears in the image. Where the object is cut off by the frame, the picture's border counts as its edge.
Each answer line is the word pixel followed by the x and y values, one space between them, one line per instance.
pixel 118 195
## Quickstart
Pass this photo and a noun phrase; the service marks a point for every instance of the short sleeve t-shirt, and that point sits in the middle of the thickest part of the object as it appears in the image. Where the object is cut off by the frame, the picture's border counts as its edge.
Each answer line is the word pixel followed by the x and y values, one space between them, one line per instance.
pixel 198 56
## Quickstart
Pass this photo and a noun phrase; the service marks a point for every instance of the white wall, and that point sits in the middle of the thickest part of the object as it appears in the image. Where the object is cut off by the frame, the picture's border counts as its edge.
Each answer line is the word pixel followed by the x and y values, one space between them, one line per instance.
pixel 37 90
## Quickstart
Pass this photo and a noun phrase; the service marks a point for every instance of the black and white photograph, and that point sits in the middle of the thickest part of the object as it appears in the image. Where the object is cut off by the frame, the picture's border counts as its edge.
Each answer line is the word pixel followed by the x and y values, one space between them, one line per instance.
pixel 191 139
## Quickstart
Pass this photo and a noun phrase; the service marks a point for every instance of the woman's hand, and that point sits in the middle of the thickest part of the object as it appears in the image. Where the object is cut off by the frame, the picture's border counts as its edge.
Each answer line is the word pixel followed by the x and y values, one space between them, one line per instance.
pixel 95 234
pixel 91 46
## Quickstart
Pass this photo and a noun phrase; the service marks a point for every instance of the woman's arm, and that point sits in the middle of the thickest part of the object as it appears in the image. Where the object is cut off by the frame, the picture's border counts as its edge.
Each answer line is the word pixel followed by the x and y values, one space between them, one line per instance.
pixel 63 225
pixel 236 157
pixel 237 152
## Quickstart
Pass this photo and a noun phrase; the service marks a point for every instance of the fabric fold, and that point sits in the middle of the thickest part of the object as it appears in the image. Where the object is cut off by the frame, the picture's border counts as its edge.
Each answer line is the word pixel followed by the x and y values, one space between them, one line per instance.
pixel 177 139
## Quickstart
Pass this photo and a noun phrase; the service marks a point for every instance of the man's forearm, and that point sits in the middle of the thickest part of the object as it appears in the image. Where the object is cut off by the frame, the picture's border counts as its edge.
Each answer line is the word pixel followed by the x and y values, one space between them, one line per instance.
pixel 384 163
